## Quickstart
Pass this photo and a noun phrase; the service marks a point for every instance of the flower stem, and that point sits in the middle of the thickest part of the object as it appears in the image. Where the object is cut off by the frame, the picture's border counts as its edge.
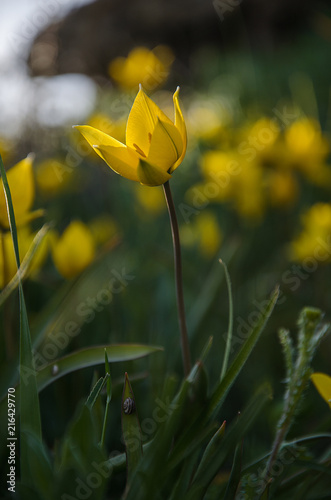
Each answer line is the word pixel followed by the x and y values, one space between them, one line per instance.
pixel 179 279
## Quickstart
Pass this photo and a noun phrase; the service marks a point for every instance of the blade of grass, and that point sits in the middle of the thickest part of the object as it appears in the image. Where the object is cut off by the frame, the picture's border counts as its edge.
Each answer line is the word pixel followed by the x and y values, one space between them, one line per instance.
pixel 29 402
pixel 204 476
pixel 230 327
pixel 208 294
pixel 108 399
pixel 94 394
pixel 233 483
pixel 241 358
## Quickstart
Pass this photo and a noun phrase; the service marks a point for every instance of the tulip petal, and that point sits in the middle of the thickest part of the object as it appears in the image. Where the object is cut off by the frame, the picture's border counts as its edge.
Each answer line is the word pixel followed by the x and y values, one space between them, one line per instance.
pixel 123 160
pixel 180 125
pixel 142 121
pixel 165 146
pixel 151 175
pixel 322 383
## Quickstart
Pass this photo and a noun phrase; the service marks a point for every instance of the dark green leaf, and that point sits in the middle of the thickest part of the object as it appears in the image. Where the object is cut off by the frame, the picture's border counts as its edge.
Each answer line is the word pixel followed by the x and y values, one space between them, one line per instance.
pixel 28 402
pixel 241 358
pixel 131 431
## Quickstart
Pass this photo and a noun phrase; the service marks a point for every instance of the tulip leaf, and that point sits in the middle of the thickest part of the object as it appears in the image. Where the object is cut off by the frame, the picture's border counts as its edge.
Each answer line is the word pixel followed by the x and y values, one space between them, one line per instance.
pixel 89 357
pixel 28 402
pixel 131 431
pixel 230 327
pixel 205 475
pixel 211 450
pixel 233 483
pixel 152 473
pixel 94 394
pixel 108 399
pixel 241 358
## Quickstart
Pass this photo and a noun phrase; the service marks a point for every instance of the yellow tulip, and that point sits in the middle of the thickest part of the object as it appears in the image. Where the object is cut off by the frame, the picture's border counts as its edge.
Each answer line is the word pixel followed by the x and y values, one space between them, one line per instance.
pixel 322 383
pixel 149 67
pixel 74 250
pixel 8 267
pixel 314 240
pixel 21 183
pixel 155 146
pixel 50 176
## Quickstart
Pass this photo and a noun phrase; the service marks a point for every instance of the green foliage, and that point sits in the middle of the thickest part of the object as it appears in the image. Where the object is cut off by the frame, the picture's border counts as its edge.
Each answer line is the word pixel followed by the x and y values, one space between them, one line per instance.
pixel 30 424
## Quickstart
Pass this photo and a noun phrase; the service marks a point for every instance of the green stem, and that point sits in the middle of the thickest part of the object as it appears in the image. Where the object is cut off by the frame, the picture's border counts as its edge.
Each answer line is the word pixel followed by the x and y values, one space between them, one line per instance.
pixel 179 279
pixel 102 440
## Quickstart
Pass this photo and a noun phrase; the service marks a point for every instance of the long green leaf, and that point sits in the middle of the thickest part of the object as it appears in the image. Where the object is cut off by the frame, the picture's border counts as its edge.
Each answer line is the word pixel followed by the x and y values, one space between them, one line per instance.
pixel 204 476
pixel 94 394
pixel 131 431
pixel 108 399
pixel 211 450
pixel 82 359
pixel 92 356
pixel 230 326
pixel 29 402
pixel 241 358
pixel 148 475
pixel 233 483
pixel 152 474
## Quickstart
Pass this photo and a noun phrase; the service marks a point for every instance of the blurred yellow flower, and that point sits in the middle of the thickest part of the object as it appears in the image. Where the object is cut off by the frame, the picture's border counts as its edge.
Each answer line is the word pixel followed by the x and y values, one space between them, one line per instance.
pixel 142 66
pixel 305 141
pixel 283 188
pixel 220 168
pixel 229 178
pixel 152 200
pixel 307 149
pixel 322 383
pixel 203 232
pixel 74 250
pixel 315 239
pixel 103 228
pixel 52 176
pixel 249 193
pixel 25 238
pixel 258 139
pixel 21 183
pixel 155 146
pixel 206 122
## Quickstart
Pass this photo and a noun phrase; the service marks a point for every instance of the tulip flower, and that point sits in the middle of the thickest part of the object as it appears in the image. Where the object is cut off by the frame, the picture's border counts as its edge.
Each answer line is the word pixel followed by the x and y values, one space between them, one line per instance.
pixel 21 183
pixel 155 146
pixel 74 250
pixel 25 237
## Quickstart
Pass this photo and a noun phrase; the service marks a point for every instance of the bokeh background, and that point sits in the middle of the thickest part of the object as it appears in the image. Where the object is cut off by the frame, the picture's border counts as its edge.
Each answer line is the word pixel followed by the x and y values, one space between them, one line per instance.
pixel 254 188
